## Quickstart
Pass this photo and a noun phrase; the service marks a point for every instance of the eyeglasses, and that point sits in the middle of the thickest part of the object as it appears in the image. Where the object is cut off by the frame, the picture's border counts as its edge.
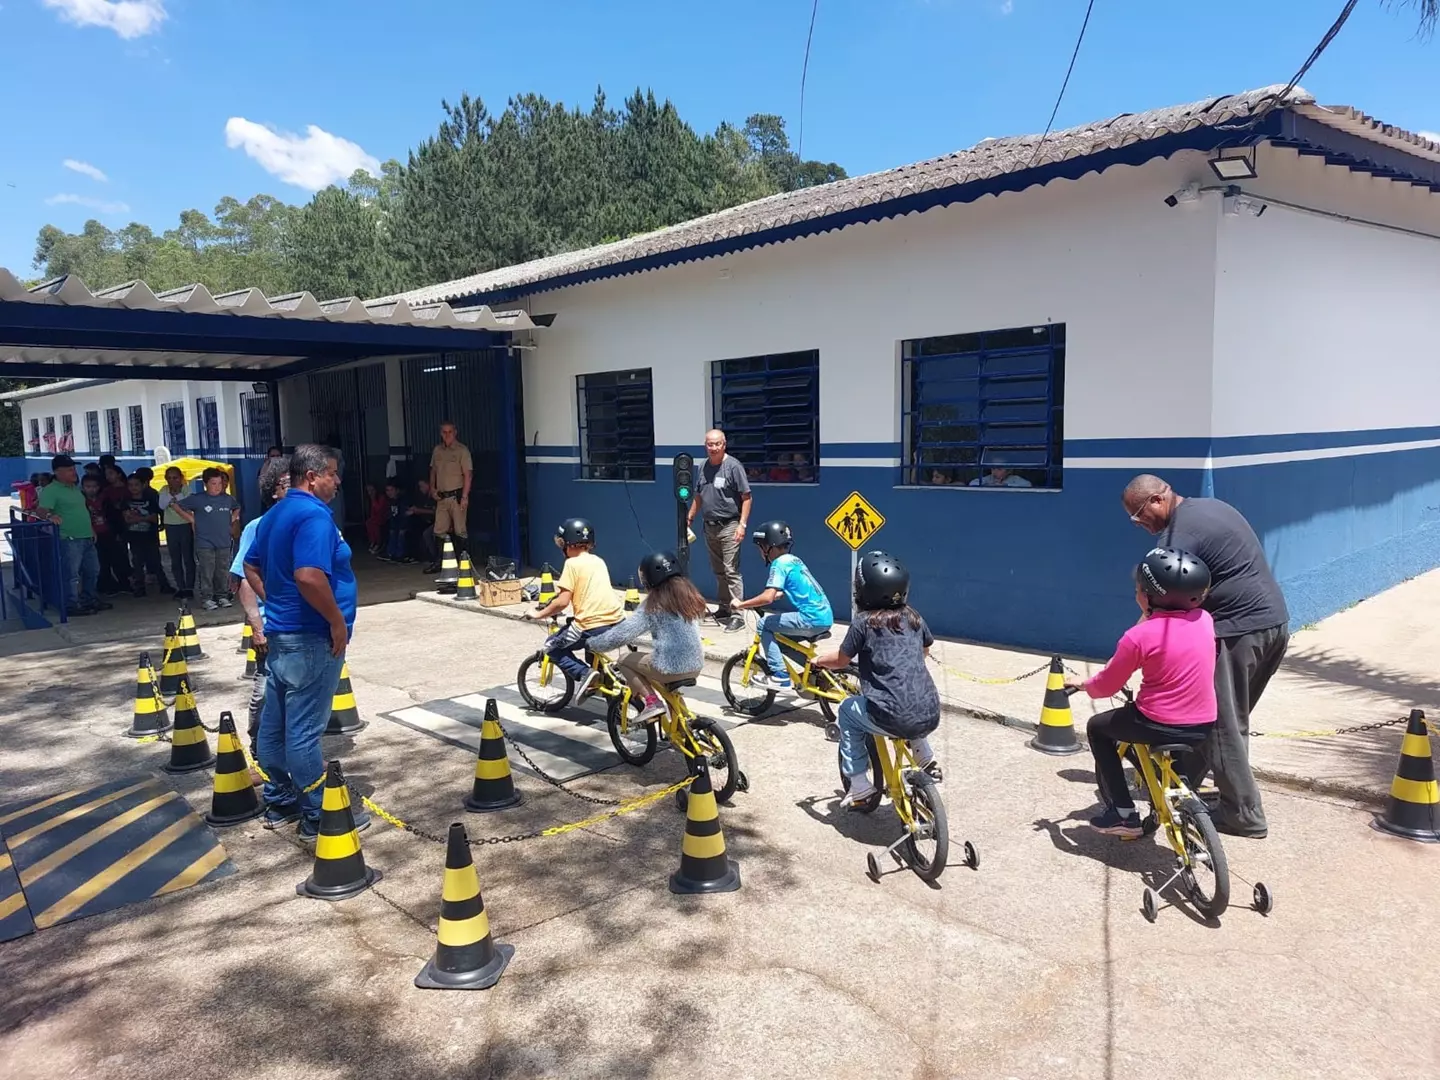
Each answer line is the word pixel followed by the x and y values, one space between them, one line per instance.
pixel 1135 517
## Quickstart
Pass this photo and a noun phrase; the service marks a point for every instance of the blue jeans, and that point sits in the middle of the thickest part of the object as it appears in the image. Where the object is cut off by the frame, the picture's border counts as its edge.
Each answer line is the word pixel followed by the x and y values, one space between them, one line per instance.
pixel 299 692
pixel 561 649
pixel 82 572
pixel 853 717
pixel 793 625
pixel 395 538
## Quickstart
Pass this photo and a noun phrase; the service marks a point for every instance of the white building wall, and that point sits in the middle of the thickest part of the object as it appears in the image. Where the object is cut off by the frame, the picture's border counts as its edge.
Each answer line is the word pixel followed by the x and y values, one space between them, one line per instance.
pixel 1132 278
pixel 149 394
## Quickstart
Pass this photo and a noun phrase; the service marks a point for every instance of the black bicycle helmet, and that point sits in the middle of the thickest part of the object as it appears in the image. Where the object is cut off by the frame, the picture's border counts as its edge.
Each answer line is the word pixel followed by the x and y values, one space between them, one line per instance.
pixel 574 531
pixel 1174 580
pixel 659 567
pixel 773 534
pixel 881 581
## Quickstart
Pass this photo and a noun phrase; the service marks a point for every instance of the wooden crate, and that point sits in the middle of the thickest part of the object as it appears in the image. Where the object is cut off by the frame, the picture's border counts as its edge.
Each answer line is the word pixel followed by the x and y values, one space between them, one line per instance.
pixel 499 593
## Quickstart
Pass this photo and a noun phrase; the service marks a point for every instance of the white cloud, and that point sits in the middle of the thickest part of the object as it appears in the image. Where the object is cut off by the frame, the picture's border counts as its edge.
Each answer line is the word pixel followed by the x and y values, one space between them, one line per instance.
pixel 128 18
pixel 102 205
pixel 1007 7
pixel 84 168
pixel 1433 136
pixel 312 162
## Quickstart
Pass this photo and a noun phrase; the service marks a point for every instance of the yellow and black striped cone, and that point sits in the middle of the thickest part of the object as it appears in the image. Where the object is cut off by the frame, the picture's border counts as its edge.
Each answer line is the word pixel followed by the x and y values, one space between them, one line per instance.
pixel 466 956
pixel 344 715
pixel 632 597
pixel 189 636
pixel 150 716
pixel 173 667
pixel 704 866
pixel 340 871
pixel 449 567
pixel 494 786
pixel 1414 807
pixel 465 583
pixel 246 635
pixel 250 661
pixel 189 748
pixel 233 798
pixel 548 592
pixel 1056 733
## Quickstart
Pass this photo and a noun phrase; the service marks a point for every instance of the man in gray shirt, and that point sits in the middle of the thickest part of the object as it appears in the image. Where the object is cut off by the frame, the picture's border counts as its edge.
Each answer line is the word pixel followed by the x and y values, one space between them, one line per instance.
pixel 1251 627
pixel 722 493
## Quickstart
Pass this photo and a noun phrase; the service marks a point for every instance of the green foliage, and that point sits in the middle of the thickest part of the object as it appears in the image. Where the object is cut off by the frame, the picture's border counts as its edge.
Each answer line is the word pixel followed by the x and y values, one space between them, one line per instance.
pixel 484 191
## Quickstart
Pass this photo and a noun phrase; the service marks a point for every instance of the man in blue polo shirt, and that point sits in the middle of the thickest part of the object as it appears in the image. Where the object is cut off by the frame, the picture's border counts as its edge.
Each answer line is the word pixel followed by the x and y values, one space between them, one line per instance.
pixel 299 566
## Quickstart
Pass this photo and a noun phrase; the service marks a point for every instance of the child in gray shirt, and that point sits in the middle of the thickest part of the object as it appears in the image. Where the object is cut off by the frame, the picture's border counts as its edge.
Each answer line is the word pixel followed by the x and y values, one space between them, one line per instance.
pixel 213 512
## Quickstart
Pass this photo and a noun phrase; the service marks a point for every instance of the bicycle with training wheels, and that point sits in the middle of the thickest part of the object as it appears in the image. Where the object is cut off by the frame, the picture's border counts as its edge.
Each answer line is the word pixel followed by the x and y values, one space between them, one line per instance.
pixel 547 687
pixel 827 686
pixel 1201 866
pixel 695 737
pixel 924 845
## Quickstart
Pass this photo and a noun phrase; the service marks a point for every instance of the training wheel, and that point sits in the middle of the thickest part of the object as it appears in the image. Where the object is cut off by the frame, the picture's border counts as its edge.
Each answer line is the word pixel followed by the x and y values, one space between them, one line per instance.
pixel 972 857
pixel 1264 902
pixel 1149 905
pixel 832 732
pixel 682 799
pixel 742 782
pixel 872 864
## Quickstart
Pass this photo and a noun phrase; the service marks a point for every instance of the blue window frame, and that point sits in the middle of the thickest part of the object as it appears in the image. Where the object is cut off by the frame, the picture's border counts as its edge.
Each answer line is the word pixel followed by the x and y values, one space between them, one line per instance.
pixel 92 431
pixel 112 430
pixel 617 425
pixel 207 424
pixel 986 409
pixel 172 423
pixel 769 409
pixel 137 429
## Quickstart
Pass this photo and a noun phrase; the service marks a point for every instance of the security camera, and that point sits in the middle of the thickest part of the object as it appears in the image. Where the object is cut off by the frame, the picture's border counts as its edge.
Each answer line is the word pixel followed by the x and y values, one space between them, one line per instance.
pixel 1189 193
pixel 1238 203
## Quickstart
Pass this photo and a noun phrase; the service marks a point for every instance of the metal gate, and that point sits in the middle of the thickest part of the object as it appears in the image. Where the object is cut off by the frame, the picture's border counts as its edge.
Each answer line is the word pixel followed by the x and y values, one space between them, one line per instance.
pixel 348 411
pixel 479 391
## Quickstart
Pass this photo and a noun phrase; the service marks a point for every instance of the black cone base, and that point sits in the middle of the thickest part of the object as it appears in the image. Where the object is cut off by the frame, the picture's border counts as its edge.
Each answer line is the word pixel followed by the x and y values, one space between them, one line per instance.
pixel 204 763
pixel 1410 825
pixel 211 818
pixel 727 882
pixel 482 803
pixel 158 729
pixel 338 892
pixel 1061 743
pixel 481 978
pixel 344 726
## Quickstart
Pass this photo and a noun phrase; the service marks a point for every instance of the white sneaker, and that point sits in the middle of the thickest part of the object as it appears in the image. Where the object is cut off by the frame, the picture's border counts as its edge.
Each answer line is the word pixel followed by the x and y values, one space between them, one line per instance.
pixel 650 712
pixel 224 601
pixel 209 605
pixel 762 681
pixel 587 686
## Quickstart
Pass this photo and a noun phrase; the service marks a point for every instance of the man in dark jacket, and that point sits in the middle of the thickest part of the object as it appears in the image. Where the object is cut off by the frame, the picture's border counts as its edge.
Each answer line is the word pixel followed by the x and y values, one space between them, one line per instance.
pixel 1251 626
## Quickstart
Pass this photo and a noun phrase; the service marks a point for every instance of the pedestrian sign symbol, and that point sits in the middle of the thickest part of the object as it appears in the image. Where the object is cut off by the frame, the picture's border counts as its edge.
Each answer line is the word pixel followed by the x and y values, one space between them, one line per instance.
pixel 855 520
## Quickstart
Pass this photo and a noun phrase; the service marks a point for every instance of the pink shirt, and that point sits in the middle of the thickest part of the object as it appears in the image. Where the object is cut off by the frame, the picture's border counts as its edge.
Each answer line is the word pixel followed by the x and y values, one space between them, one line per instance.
pixel 1175 654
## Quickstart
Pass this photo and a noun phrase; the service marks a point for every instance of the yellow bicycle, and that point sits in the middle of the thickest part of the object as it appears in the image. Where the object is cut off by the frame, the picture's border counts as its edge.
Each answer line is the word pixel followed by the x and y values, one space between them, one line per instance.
pixel 827 686
pixel 695 737
pixel 547 687
pixel 924 845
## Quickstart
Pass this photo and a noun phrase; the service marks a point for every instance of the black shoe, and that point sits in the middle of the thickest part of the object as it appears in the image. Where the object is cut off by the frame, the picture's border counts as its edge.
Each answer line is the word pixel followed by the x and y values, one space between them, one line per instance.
pixel 76 612
pixel 431 568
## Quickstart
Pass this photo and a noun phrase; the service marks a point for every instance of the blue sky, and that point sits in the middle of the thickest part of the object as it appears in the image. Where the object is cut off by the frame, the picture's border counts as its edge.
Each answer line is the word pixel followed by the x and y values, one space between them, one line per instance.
pixel 162 105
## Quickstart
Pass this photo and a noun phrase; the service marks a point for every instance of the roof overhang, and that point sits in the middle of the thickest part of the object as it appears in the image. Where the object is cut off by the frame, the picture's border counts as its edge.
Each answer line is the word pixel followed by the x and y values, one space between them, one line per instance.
pixel 61 329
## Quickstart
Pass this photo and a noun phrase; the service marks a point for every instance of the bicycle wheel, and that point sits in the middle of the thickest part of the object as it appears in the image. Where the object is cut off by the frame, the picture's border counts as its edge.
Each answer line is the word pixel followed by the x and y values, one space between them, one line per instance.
pixel 843 682
pixel 743 698
pixel 1207 874
pixel 930 828
pixel 634 742
pixel 877 772
pixel 549 692
pixel 714 742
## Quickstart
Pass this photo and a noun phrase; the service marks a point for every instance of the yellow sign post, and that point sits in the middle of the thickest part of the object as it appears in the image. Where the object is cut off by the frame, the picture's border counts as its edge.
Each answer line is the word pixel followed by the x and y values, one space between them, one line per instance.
pixel 854 521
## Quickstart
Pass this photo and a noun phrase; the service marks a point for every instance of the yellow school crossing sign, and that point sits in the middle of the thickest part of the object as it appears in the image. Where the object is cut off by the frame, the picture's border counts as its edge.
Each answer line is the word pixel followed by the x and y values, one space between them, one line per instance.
pixel 855 520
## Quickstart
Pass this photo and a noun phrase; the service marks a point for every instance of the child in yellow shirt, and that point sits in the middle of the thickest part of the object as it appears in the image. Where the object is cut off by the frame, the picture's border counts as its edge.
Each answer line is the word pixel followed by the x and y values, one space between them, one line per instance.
pixel 584 586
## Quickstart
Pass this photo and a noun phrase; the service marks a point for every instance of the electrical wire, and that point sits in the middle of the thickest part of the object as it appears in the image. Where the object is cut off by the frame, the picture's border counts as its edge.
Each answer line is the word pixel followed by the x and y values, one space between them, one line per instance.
pixel 1061 96
pixel 804 71
pixel 1279 99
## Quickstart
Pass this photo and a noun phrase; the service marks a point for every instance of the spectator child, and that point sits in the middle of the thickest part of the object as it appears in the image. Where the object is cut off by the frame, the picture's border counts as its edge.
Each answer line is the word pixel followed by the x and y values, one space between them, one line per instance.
pixel 140 513
pixel 214 514
pixel 377 519
pixel 397 525
pixel 179 534
pixel 113 571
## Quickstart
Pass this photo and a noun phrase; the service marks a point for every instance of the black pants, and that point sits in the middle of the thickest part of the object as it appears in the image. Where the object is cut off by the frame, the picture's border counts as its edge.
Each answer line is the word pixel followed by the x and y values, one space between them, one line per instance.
pixel 1128 724
pixel 144 558
pixel 180 541
pixel 114 563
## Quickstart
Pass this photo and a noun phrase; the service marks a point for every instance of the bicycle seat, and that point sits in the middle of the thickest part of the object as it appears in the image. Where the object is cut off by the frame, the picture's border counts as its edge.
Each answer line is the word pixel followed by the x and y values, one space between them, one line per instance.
pixel 1171 748
pixel 679 683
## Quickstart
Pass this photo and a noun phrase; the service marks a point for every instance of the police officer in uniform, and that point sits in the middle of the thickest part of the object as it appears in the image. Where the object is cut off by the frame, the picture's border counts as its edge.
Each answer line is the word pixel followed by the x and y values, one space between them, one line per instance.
pixel 450 474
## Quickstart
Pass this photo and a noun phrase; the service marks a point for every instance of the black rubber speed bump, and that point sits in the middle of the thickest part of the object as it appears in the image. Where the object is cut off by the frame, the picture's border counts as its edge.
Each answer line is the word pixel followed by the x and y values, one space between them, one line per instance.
pixel 1056 734
pixel 1414 807
pixel 466 956
pixel 234 798
pixel 704 866
pixel 339 871
pixel 189 748
pixel 189 636
pixel 344 715
pixel 150 717
pixel 494 785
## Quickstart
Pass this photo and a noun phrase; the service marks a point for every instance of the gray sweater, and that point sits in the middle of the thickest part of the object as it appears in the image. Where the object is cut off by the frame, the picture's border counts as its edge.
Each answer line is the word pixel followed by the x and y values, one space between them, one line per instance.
pixel 677 641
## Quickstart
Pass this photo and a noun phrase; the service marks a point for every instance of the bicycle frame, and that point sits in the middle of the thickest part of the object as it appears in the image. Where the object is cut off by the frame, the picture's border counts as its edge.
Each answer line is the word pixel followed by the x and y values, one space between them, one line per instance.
pixel 802 678
pixel 1165 787
pixel 895 759
pixel 674 722
pixel 609 684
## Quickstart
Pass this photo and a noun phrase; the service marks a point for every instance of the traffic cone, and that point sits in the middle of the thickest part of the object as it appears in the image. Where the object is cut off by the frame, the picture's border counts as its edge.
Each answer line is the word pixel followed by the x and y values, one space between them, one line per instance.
pixel 189 636
pixel 234 798
pixel 150 716
pixel 340 871
pixel 465 583
pixel 632 596
pixel 449 567
pixel 189 748
pixel 466 956
pixel 548 591
pixel 246 634
pixel 1056 734
pixel 494 786
pixel 172 667
pixel 250 660
pixel 344 716
pixel 1414 807
pixel 704 866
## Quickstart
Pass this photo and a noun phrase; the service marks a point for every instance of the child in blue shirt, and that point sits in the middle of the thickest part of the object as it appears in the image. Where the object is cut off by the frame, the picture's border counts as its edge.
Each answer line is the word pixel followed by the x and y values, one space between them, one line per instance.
pixel 791 578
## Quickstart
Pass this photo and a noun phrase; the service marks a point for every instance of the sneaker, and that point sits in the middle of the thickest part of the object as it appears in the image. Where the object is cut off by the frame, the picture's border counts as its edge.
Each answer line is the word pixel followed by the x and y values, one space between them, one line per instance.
pixel 587 686
pixel 209 605
pixel 1114 823
pixel 734 624
pixel 761 681
pixel 864 800
pixel 225 601
pixel 281 814
pixel 653 707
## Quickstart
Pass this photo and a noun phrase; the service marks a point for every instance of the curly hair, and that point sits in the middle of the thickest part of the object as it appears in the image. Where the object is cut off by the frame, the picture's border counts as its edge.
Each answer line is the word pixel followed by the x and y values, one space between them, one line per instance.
pixel 273 471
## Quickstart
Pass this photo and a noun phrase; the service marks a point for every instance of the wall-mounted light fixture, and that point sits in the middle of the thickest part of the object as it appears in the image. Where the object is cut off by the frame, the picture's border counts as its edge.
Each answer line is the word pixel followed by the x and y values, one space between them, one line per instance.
pixel 1234 163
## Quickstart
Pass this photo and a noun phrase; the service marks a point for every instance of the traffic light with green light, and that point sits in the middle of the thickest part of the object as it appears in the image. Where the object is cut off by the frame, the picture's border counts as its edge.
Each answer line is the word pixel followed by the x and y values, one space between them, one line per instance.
pixel 684 469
